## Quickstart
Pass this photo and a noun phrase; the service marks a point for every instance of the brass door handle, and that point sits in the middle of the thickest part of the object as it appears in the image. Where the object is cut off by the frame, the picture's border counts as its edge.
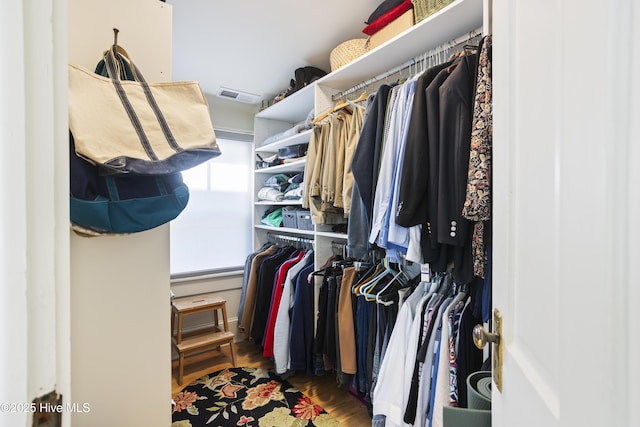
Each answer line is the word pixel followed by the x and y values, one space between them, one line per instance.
pixel 481 337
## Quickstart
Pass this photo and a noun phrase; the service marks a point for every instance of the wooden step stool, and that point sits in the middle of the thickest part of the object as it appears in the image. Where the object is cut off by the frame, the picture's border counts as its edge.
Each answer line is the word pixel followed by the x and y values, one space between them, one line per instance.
pixel 202 339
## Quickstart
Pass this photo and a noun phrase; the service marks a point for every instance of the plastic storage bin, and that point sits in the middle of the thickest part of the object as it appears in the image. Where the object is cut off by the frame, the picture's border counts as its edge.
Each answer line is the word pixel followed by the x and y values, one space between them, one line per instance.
pixel 304 219
pixel 289 218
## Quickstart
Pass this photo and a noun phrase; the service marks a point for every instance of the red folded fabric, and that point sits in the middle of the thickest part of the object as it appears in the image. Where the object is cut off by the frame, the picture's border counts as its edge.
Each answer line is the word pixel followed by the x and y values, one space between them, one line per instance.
pixel 387 18
pixel 382 8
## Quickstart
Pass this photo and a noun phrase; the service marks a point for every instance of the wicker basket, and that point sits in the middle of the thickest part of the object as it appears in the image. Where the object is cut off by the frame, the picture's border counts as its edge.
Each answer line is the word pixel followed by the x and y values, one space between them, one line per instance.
pixel 424 8
pixel 347 52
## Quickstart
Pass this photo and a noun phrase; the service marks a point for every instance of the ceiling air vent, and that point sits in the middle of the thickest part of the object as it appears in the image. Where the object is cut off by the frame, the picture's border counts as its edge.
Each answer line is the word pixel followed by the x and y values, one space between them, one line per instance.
pixel 236 95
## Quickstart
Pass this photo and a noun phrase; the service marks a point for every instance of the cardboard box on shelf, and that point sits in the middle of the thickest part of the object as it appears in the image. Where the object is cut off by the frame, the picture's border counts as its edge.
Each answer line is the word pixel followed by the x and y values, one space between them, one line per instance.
pixel 403 22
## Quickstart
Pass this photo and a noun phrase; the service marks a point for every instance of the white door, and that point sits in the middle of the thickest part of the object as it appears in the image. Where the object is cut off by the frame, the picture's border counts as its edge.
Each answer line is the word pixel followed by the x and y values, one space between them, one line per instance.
pixel 566 211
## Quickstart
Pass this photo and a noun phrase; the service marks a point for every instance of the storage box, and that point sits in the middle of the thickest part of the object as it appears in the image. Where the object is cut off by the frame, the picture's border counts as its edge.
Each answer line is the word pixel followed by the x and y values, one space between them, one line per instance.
pixel 289 217
pixel 293 151
pixel 304 219
pixel 403 22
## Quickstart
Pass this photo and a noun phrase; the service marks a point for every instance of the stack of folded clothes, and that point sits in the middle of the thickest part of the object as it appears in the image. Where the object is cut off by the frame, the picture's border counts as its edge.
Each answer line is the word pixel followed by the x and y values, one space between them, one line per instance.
pixel 387 12
pixel 282 187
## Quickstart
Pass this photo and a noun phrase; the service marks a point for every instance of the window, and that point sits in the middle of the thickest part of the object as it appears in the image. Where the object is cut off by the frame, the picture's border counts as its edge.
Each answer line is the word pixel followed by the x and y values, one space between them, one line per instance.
pixel 214 230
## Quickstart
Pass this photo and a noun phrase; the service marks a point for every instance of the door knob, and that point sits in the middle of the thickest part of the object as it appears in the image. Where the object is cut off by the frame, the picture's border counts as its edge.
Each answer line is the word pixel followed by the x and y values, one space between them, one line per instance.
pixel 481 337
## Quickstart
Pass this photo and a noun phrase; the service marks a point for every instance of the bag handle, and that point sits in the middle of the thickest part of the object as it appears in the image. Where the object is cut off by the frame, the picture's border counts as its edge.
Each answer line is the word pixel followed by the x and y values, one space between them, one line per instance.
pixel 112 59
pixel 120 53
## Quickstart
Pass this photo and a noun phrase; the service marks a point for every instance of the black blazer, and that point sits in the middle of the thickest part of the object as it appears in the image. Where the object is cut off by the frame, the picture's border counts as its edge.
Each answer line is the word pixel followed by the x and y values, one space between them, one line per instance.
pixel 456 107
pixel 412 198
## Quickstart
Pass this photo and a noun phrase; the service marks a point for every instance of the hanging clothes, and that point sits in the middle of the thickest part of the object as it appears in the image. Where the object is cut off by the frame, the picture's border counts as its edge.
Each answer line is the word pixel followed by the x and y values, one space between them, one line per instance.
pixel 278 285
pixel 328 189
pixel 418 184
pixel 245 279
pixel 333 162
pixel 389 399
pixel 266 276
pixel 412 197
pixel 385 233
pixel 437 166
pixel 381 195
pixel 355 129
pixel 429 348
pixel 364 167
pixel 477 206
pixel 399 236
pixel 278 306
pixel 244 326
pixel 282 325
pixel 456 95
pixel 346 323
pixel 434 252
pixel 302 321
pixel 313 172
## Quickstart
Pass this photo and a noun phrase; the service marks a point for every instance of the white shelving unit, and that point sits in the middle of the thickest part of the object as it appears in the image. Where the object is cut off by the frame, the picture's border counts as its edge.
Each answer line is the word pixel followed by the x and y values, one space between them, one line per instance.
pixel 453 21
pixel 297 166
pixel 292 109
pixel 278 118
pixel 299 138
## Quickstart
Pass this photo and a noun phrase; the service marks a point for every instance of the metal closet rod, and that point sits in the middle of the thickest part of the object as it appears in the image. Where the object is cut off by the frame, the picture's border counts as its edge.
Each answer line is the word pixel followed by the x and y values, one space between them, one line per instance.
pixel 273 237
pixel 452 44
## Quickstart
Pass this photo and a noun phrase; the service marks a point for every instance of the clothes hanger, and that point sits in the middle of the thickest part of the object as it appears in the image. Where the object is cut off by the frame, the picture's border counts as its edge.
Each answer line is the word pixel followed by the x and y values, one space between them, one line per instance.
pixel 373 293
pixel 340 105
pixel 369 274
pixel 321 116
pixel 469 47
pixel 402 79
pixel 363 97
pixel 366 277
pixel 400 277
pixel 367 288
pixel 321 270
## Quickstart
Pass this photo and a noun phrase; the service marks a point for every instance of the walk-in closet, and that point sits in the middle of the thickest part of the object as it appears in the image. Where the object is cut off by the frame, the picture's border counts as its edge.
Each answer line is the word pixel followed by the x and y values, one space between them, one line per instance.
pixel 277 213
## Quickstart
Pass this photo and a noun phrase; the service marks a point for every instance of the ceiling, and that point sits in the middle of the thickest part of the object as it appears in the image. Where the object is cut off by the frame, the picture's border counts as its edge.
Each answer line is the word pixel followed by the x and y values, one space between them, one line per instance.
pixel 255 45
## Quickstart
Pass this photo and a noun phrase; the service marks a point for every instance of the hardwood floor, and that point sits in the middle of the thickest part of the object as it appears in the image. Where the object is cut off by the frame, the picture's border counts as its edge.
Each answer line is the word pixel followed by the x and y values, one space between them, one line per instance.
pixel 322 390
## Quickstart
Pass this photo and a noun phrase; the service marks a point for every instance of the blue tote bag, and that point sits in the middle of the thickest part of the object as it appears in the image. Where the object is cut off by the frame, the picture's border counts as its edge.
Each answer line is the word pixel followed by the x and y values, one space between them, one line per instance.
pixel 122 204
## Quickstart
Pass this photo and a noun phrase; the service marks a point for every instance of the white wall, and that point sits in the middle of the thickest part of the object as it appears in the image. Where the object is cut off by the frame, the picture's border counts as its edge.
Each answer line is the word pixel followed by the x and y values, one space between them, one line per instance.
pixel 120 342
pixel 231 115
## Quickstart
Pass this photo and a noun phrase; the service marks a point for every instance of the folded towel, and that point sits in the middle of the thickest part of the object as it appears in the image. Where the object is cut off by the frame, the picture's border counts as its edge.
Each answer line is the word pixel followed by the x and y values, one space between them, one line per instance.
pixel 271 194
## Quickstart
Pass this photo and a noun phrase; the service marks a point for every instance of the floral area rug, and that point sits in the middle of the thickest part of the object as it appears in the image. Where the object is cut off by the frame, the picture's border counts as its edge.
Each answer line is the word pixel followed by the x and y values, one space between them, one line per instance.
pixel 246 397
